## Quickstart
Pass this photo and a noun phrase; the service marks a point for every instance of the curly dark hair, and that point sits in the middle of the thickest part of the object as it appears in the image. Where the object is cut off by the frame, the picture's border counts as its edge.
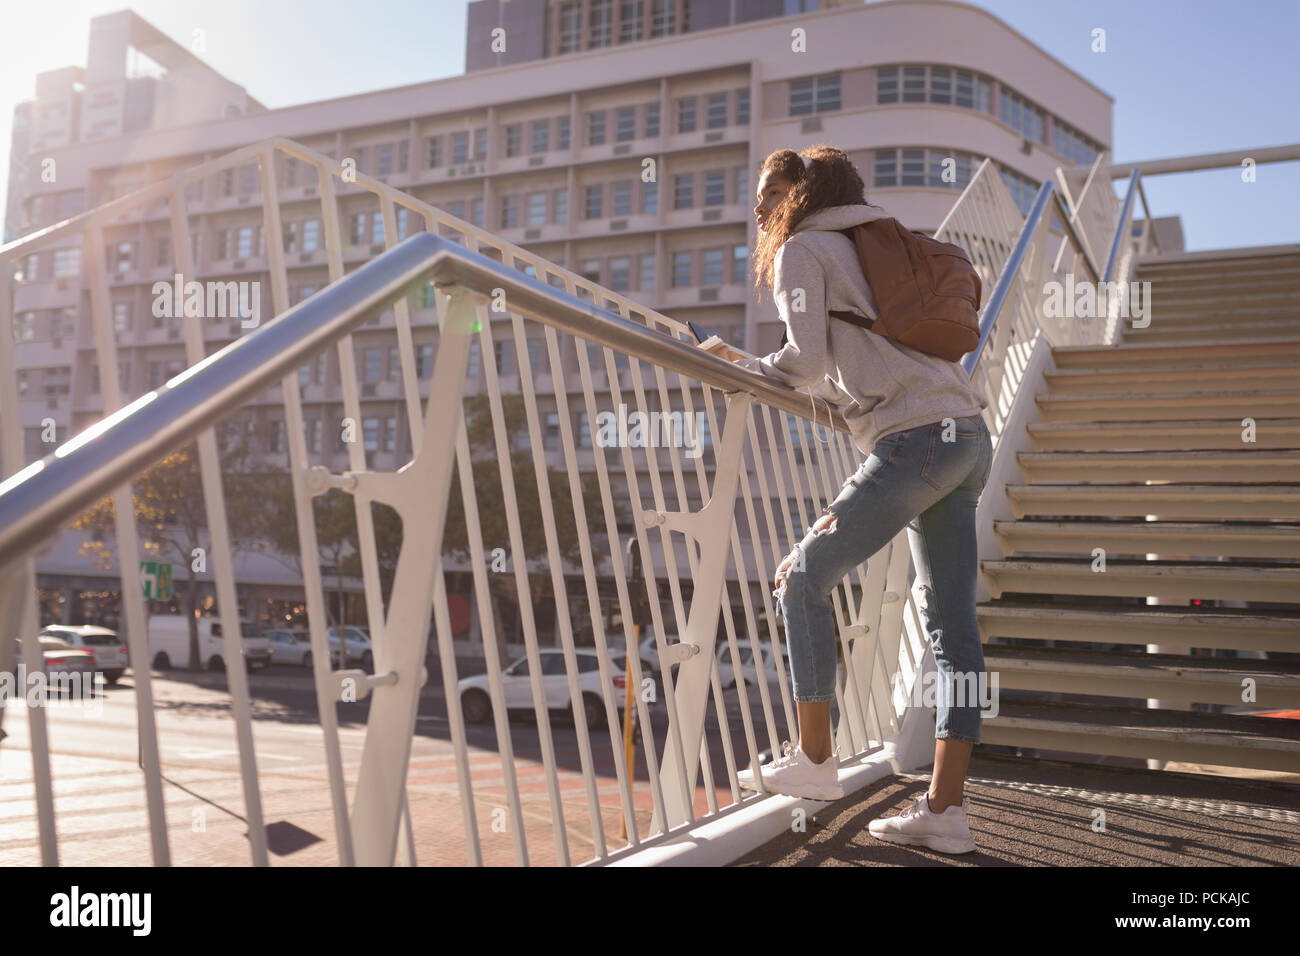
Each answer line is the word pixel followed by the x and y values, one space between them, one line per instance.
pixel 831 179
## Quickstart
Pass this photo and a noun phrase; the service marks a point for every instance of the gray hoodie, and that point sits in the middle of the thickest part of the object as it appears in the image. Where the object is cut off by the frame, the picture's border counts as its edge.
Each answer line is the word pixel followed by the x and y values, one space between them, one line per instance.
pixel 881 386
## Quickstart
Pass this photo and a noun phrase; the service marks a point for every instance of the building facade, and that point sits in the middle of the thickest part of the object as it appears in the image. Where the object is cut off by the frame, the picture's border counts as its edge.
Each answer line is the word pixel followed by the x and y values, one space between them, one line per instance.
pixel 529 146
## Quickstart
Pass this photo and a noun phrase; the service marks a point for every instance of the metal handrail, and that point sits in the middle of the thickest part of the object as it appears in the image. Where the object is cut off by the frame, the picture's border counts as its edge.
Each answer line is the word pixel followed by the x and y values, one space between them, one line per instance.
pixel 1121 226
pixel 1047 192
pixel 36 500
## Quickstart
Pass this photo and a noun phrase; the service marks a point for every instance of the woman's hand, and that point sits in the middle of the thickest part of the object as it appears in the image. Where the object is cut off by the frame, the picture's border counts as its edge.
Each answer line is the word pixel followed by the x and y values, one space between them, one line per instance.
pixel 783 568
pixel 730 354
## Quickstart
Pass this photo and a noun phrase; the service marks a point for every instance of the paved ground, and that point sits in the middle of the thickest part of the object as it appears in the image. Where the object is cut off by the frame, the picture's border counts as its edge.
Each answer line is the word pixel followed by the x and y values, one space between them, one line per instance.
pixel 1042 812
pixel 1024 812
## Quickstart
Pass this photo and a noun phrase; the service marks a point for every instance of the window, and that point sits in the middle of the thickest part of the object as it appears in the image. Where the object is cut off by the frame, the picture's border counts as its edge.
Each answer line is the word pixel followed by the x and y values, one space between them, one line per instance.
pixel 650 197
pixel 623 198
pixel 244 243
pixel 742 106
pixel 1070 143
pixel 460 147
pixel 619 269
pixel 886 167
pixel 647 279
pixel 570 26
pixel 739 263
pixel 476 210
pixel 370 428
pixel 162 254
pixel 561 205
pixel 715 187
pixel 67 262
pixel 596 128
pixel 31 272
pixel 275 440
pixel 536 209
pixel 686 115
pixel 480 143
pixel 310 235
pixel 887 84
pixel 712 267
pixel 913 167
pixel 122 317
pixel 1022 189
pixel 502 349
pixel 663 15
pixel 815 94
pixel 591 206
pixel 374 365
pixel 25 326
pixel 551 435
pixel 972 91
pixel 403 150
pixel 402 216
pixel 600 22
pixel 390 433
pixel 1019 113
pixel 509 211
pixel 541 135
pixel 742 184
pixel 716 117
pixel 940 85
pixel 385 160
pixel 584 430
pixel 681 269
pixel 684 191
pixel 913 84
pixel 433 152
pixel 514 139
pixel 472 370
pixel 590 270
pixel 960 165
pixel 377 228
pixel 563 137
pixel 652 119
pixel 124 250
pixel 625 124
pixel 313 429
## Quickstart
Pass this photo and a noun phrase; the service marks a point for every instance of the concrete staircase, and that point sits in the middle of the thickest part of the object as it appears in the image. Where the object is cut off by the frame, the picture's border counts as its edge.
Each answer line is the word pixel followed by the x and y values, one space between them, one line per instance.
pixel 1139 451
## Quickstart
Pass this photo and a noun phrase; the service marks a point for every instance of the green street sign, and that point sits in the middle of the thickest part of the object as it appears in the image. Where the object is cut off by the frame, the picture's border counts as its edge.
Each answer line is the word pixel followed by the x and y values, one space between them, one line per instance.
pixel 157 578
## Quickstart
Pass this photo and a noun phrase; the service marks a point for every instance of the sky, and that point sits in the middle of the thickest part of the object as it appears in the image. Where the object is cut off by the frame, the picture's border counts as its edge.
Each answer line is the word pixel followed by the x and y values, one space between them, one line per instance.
pixel 1187 76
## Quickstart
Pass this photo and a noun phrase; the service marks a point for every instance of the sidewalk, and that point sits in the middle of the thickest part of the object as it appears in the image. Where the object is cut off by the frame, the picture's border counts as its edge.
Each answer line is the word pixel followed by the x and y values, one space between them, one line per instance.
pixel 1041 813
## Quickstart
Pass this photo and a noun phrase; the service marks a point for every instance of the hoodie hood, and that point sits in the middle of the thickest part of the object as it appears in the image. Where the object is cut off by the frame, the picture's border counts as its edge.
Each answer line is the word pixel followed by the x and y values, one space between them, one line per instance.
pixel 835 218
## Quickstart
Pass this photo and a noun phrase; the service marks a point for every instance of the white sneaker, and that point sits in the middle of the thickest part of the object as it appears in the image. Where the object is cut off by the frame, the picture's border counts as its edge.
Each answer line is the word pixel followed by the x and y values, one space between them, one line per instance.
pixel 947 832
pixel 795 775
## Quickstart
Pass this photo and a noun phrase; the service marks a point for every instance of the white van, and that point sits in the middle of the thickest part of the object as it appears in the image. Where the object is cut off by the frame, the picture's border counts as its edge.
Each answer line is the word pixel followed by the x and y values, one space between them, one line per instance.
pixel 169 643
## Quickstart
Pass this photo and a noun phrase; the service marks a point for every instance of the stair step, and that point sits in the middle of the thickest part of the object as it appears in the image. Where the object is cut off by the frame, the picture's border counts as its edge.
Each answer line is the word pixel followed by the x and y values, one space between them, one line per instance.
pixel 1175 502
pixel 1167 406
pixel 1130 578
pixel 1270 433
pixel 1166 538
pixel 1111 673
pixel 1262 373
pixel 1226 740
pixel 1236 327
pixel 1154 354
pixel 1242 464
pixel 1212 295
pixel 1239 629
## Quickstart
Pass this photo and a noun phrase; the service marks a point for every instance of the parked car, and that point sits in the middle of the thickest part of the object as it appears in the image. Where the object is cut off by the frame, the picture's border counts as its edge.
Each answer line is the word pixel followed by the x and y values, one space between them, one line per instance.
pixel 516 687
pixel 726 673
pixel 356 643
pixel 169 643
pixel 107 651
pixel 60 657
pixel 289 646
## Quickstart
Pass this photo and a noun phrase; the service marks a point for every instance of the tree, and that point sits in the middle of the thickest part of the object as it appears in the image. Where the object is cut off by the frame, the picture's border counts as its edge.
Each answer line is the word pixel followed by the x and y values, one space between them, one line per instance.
pixel 172 517
pixel 493 524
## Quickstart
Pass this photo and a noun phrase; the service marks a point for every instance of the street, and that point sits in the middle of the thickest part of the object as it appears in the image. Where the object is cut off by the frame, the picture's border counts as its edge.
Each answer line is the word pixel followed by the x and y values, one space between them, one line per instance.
pixel 99 796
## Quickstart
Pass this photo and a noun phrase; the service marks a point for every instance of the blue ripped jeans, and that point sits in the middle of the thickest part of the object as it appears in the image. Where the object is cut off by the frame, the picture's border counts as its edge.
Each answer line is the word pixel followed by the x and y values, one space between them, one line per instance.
pixel 913 479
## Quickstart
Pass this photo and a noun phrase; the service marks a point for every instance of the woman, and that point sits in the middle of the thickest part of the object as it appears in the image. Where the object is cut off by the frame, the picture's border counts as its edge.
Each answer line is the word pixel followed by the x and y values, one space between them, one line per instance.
pixel 928 452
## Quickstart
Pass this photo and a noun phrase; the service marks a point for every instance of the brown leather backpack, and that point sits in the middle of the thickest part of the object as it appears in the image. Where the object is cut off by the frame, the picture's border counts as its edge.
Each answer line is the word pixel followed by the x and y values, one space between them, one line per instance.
pixel 927 292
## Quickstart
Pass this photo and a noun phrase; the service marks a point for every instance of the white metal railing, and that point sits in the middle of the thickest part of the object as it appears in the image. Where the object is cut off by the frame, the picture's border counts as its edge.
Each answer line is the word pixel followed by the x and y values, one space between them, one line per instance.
pixel 760 482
